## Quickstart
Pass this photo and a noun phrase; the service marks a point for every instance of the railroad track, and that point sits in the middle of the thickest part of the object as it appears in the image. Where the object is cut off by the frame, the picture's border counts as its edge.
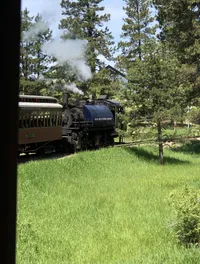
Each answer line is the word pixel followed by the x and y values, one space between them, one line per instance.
pixel 35 157
pixel 154 142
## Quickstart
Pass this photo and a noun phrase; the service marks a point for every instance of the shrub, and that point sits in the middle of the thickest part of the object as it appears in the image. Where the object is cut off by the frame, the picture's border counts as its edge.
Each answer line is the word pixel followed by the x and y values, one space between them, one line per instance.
pixel 186 203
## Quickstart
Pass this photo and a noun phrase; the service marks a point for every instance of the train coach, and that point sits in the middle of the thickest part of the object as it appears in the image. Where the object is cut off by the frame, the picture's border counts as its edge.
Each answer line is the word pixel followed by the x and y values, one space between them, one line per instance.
pixel 47 126
pixel 40 124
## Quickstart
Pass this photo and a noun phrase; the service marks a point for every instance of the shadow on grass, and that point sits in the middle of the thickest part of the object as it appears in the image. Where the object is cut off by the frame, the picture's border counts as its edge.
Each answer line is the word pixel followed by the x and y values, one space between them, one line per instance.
pixel 151 157
pixel 192 147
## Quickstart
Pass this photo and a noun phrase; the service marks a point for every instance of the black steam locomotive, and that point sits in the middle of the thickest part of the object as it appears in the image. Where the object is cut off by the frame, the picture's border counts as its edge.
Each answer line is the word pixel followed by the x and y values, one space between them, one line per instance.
pixel 47 126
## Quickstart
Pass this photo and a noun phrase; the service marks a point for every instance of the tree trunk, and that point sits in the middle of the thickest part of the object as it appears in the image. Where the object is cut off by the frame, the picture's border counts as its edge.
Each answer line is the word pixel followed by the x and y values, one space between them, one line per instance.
pixel 160 142
pixel 139 33
pixel 90 31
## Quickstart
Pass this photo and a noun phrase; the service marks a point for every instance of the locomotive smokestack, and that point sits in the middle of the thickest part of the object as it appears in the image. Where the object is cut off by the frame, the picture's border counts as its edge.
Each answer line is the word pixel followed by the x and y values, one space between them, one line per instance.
pixel 65 99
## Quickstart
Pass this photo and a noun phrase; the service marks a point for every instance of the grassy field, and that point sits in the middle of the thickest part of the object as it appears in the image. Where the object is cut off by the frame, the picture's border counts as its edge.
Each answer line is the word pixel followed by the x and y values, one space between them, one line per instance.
pixel 109 206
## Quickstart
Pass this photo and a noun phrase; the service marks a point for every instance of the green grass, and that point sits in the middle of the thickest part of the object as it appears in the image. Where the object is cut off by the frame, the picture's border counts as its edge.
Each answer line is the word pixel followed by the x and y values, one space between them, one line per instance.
pixel 109 206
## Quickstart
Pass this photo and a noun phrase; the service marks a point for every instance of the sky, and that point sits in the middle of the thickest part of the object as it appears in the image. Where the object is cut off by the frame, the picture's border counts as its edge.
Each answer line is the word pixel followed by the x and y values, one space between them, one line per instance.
pixel 51 12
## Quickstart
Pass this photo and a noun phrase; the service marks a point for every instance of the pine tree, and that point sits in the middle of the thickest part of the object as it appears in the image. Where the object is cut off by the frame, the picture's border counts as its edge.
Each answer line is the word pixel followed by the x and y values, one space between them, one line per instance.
pixel 137 28
pixel 33 63
pixel 180 27
pixel 25 45
pixel 42 34
pixel 156 90
pixel 56 78
pixel 83 19
pixel 105 83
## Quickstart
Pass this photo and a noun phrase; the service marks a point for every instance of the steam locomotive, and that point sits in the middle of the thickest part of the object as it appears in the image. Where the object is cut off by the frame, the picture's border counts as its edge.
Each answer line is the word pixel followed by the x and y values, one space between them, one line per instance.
pixel 47 126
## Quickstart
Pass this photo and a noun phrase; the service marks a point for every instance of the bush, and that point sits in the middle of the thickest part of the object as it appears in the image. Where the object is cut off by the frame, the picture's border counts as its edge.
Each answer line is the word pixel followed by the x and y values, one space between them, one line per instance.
pixel 186 203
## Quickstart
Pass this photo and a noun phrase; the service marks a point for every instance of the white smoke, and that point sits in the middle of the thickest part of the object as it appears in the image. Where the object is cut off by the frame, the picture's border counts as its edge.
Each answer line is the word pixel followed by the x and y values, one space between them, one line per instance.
pixel 72 87
pixel 71 52
pixel 35 30
pixel 61 84
pixel 65 51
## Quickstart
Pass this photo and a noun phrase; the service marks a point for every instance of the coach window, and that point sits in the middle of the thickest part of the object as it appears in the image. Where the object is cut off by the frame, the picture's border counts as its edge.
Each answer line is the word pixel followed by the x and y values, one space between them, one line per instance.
pixel 29 120
pixel 57 122
pixel 25 120
pixel 20 121
pixel 44 117
pixel 36 120
pixel 46 120
pixel 50 119
pixel 57 119
pixel 32 121
pixel 41 120
pixel 60 119
pixel 53 119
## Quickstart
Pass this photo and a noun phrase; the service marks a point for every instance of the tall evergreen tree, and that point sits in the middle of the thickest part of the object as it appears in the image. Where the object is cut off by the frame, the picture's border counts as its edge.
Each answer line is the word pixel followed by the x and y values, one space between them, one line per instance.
pixel 33 63
pixel 136 29
pixel 180 27
pixel 83 19
pixel 25 45
pixel 105 83
pixel 156 89
pixel 42 34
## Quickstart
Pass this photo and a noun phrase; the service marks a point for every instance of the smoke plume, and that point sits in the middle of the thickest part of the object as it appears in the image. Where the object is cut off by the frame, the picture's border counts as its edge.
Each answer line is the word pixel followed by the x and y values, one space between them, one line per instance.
pixel 36 29
pixel 71 52
pixel 72 87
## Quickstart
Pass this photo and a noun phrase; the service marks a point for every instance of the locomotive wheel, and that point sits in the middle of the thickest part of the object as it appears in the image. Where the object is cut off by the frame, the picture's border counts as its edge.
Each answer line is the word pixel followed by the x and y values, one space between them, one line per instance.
pixel 67 147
